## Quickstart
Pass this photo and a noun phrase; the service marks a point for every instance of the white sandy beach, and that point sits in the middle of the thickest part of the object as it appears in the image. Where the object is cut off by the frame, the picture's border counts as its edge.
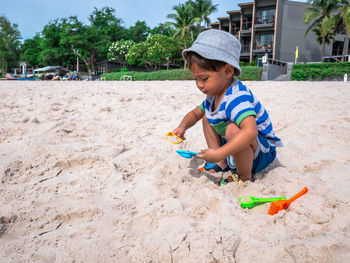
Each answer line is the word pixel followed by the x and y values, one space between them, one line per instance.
pixel 87 176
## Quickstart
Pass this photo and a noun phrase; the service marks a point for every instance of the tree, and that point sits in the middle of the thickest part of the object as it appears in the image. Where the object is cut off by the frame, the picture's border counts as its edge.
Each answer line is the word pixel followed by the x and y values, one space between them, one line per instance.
pixel 139 32
pixel 119 49
pixel 105 28
pixel 157 49
pixel 91 42
pixel 184 19
pixel 106 23
pixel 202 10
pixel 52 51
pixel 319 16
pixel 343 18
pixel 30 50
pixel 9 44
pixel 160 49
pixel 164 29
pixel 137 54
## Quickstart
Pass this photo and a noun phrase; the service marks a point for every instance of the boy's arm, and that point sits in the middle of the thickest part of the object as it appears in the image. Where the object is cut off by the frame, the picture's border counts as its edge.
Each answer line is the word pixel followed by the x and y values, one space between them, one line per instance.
pixel 188 121
pixel 247 134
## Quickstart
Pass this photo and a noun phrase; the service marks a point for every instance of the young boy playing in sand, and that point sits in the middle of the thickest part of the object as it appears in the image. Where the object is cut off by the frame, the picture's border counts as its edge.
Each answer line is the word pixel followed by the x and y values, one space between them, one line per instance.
pixel 236 126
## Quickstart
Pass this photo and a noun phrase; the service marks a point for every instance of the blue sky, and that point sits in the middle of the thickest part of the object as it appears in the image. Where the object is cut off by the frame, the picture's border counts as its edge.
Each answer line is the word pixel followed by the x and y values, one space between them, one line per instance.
pixel 32 15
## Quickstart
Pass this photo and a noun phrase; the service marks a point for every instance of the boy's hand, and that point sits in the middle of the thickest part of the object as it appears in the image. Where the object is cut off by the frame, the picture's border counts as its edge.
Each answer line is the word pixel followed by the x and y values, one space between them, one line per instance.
pixel 209 155
pixel 180 132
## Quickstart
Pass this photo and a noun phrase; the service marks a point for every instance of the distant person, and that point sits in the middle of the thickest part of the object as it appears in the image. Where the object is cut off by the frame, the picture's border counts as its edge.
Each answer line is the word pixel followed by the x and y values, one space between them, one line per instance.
pixel 236 126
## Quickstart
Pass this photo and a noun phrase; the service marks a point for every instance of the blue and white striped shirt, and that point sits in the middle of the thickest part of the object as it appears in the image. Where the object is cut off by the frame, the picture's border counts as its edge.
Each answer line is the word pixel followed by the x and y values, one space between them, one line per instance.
pixel 237 104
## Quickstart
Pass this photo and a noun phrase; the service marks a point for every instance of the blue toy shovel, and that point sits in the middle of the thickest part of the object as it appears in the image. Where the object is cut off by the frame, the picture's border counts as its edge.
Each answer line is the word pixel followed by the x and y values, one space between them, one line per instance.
pixel 186 154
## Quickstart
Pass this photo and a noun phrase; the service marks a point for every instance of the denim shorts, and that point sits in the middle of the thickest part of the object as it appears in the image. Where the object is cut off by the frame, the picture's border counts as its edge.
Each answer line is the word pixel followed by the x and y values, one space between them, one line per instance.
pixel 264 155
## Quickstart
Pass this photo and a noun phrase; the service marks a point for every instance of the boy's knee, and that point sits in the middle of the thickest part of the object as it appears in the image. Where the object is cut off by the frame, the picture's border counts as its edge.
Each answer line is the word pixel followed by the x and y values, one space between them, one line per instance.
pixel 231 130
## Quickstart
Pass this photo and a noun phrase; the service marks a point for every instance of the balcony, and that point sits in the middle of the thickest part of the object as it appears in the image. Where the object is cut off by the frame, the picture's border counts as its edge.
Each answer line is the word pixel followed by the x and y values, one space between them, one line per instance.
pixel 264 20
pixel 263 46
pixel 247 25
pixel 245 50
pixel 234 30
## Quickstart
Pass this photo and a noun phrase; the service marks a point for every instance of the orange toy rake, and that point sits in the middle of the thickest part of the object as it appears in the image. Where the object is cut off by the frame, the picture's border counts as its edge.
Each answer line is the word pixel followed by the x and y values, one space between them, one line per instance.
pixel 279 205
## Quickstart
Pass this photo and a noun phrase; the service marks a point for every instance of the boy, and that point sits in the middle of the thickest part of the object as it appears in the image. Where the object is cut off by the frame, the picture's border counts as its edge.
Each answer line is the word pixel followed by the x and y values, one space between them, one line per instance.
pixel 236 126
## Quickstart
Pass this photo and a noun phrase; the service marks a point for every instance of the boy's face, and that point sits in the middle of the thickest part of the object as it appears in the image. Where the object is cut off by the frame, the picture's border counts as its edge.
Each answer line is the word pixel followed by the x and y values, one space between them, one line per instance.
pixel 212 83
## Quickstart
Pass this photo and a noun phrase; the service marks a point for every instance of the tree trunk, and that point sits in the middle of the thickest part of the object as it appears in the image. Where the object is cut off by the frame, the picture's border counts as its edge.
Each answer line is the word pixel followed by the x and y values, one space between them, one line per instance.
pixel 92 62
pixel 323 49
pixel 84 60
pixel 345 46
pixel 185 45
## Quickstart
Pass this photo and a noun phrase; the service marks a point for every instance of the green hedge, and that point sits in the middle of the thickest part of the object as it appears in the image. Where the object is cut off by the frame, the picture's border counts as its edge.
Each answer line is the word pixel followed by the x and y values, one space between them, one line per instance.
pixel 249 73
pixel 319 71
pixel 177 74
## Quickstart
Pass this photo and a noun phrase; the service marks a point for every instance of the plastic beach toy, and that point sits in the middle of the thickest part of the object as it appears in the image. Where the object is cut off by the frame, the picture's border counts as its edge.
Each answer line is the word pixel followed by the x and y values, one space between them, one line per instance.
pixel 279 205
pixel 173 138
pixel 250 201
pixel 186 154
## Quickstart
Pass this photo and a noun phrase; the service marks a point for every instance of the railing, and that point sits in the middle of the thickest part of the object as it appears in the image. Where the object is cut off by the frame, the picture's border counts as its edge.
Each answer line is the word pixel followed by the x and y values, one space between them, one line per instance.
pixel 336 58
pixel 340 30
pixel 338 51
pixel 264 45
pixel 245 48
pixel 264 20
pixel 246 25
pixel 235 30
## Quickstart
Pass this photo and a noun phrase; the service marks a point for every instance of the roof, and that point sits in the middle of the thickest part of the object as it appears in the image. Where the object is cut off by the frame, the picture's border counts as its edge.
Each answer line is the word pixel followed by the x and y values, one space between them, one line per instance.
pixel 107 62
pixel 234 12
pixel 246 4
pixel 223 18
pixel 48 68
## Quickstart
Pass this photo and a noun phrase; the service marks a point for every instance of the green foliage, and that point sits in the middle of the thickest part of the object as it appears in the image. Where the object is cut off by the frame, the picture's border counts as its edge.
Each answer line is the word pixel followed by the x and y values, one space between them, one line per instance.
pixel 30 50
pixel 9 44
pixel 159 48
pixel 154 51
pixel 249 73
pixel 318 71
pixel 136 54
pixel 163 29
pixel 253 63
pixel 183 20
pixel 182 74
pixel 252 73
pixel 202 10
pixel 319 15
pixel 118 50
pixel 139 32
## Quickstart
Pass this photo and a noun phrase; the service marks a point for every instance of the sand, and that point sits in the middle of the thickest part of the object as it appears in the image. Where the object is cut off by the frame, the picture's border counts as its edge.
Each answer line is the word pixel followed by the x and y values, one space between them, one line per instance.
pixel 87 176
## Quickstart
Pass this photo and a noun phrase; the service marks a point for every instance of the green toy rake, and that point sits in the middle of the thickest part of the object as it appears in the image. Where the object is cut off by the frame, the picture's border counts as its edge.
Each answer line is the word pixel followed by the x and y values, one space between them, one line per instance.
pixel 250 201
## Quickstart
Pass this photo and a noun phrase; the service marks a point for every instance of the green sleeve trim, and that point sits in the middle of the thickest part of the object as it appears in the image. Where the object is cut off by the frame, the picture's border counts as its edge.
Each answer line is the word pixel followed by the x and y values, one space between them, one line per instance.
pixel 220 128
pixel 202 107
pixel 245 115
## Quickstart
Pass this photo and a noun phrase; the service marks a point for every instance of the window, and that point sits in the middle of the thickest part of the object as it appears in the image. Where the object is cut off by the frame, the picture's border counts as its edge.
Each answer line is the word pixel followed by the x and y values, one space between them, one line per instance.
pixel 266 16
pixel 266 41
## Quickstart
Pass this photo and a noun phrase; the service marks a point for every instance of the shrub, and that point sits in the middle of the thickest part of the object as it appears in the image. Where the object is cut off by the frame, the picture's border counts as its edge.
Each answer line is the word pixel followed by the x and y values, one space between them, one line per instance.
pixel 118 50
pixel 318 71
pixel 249 73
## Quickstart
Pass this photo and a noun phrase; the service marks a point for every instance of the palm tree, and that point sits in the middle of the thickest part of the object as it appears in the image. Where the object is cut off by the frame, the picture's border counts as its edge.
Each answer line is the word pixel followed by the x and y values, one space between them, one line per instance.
pixel 183 20
pixel 319 16
pixel 203 9
pixel 343 18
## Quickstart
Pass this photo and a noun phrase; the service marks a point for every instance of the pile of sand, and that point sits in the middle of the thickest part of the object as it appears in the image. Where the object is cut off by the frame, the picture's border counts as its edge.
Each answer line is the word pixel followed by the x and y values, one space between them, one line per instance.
pixel 87 176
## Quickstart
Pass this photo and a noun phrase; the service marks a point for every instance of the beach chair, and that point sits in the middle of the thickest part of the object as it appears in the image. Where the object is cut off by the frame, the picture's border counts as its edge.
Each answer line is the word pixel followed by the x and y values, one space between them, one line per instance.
pixel 126 78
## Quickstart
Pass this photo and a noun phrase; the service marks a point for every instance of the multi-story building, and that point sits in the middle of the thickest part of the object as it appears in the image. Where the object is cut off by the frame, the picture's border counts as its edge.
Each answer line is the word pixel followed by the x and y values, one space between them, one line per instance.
pixel 275 27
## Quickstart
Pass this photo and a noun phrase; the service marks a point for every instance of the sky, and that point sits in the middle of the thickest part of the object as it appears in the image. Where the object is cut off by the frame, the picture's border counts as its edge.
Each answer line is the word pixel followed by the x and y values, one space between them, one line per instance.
pixel 32 15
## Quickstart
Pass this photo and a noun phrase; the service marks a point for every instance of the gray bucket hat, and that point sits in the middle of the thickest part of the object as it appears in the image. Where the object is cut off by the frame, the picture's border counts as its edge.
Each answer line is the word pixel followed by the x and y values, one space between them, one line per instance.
pixel 217 45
